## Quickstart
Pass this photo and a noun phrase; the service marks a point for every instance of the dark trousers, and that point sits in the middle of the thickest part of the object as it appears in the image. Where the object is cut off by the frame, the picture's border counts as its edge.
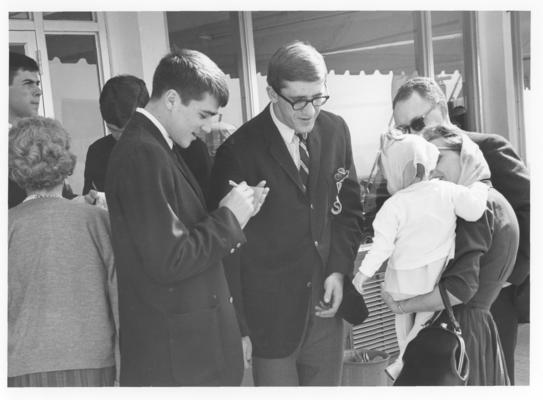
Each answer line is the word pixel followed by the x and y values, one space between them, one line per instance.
pixel 506 318
pixel 317 361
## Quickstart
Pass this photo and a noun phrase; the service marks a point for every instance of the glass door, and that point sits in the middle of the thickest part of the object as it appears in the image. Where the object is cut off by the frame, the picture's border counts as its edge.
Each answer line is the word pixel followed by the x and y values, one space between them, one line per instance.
pixel 74 71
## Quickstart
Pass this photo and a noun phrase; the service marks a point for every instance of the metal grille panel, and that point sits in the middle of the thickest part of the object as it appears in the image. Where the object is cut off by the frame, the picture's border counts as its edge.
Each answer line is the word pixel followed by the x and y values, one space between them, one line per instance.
pixel 378 331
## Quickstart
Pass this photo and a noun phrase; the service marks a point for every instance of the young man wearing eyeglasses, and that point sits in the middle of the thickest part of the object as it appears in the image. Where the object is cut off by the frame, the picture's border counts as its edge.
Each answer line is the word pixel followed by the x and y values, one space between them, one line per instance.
pixel 287 280
pixel 420 104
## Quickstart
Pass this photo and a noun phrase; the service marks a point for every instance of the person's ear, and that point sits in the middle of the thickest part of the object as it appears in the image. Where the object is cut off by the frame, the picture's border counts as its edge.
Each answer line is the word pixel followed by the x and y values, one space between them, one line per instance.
pixel 171 97
pixel 274 98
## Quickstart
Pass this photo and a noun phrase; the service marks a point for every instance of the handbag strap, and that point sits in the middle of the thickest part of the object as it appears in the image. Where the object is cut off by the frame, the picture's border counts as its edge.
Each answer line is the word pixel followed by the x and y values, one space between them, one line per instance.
pixel 448 307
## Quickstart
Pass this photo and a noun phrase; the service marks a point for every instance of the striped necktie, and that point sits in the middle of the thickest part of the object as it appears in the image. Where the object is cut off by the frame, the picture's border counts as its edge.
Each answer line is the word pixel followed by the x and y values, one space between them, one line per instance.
pixel 304 159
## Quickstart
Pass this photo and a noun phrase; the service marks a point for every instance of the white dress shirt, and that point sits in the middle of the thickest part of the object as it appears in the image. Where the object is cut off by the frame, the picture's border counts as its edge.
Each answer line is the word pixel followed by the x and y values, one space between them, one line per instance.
pixel 291 140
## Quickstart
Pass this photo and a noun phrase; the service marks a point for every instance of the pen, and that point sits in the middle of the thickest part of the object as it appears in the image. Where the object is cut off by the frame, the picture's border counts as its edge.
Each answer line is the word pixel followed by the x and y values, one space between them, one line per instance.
pixel 232 183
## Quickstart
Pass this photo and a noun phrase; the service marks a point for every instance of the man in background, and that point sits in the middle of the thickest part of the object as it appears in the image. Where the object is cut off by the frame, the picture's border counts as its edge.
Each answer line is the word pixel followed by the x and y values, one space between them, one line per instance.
pixel 120 97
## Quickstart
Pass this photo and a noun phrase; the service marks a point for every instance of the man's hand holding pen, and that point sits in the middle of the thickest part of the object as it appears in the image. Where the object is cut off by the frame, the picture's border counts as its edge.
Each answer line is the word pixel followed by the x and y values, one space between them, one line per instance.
pixel 245 201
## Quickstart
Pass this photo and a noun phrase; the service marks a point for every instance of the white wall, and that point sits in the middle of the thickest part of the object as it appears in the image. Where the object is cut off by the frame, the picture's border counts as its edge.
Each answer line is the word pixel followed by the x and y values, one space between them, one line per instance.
pixel 153 39
pixel 136 42
pixel 496 70
pixel 124 43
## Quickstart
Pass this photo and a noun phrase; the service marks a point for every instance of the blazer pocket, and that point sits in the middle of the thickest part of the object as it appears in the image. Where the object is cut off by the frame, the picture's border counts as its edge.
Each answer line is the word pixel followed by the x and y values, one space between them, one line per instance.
pixel 196 347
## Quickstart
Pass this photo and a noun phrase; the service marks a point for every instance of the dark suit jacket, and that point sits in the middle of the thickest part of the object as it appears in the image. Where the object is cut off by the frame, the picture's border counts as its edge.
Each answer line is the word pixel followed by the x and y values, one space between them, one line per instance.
pixel 511 178
pixel 292 235
pixel 96 163
pixel 178 323
pixel 197 158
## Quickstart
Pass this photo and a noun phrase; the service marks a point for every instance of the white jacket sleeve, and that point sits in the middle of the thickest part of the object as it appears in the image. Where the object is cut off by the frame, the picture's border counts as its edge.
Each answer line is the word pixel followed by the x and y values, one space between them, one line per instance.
pixel 385 228
pixel 470 202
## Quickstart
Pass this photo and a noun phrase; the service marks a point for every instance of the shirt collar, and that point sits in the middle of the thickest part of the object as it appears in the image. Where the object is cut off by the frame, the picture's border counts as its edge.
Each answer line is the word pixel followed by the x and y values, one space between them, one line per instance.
pixel 157 123
pixel 286 132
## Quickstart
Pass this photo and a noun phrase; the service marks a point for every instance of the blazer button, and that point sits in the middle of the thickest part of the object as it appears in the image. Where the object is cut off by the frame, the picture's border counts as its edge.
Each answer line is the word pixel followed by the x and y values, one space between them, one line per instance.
pixel 232 251
pixel 308 284
pixel 312 206
pixel 230 299
pixel 316 243
pixel 238 245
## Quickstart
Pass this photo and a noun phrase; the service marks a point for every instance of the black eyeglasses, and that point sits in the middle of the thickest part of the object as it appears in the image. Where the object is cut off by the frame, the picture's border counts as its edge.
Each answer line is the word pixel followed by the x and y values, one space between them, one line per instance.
pixel 417 124
pixel 301 104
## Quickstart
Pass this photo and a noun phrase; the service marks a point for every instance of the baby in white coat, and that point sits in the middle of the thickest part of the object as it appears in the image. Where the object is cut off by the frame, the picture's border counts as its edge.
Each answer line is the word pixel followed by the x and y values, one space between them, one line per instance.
pixel 415 228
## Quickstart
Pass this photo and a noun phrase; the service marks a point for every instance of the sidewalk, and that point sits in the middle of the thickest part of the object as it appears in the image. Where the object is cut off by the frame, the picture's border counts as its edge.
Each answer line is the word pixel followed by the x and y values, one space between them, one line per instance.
pixel 522 356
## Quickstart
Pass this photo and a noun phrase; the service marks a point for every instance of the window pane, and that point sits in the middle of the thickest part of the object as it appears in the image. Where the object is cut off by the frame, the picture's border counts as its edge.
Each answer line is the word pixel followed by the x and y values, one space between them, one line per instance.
pixel 69 16
pixel 19 15
pixel 216 35
pixel 17 48
pixel 75 85
pixel 525 42
pixel 448 46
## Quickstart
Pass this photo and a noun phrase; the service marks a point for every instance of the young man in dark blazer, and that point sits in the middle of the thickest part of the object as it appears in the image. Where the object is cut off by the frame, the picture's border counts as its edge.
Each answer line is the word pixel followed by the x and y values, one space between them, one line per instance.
pixel 288 279
pixel 179 325
pixel 420 103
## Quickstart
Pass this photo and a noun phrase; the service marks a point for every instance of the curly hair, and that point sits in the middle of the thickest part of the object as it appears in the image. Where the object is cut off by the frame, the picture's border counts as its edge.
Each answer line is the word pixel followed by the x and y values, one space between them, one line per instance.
pixel 39 153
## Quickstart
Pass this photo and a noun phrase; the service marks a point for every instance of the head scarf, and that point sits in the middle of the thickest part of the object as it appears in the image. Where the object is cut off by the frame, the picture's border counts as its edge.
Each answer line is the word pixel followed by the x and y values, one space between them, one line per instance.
pixel 473 166
pixel 400 154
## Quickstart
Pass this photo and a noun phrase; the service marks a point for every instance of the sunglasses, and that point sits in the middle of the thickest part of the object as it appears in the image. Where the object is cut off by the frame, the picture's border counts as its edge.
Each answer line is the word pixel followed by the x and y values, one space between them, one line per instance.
pixel 417 124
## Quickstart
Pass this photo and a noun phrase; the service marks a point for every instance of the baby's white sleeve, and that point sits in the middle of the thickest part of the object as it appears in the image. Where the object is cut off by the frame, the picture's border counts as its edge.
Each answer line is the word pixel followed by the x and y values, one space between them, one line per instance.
pixel 385 228
pixel 470 202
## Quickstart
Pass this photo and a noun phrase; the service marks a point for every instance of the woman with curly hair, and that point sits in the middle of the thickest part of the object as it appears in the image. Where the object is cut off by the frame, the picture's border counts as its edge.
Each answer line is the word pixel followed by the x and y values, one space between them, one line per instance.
pixel 62 300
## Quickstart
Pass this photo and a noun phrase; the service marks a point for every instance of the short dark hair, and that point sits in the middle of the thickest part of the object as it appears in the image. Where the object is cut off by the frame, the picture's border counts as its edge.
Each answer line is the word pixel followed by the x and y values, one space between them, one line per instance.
pixel 18 62
pixel 120 96
pixel 39 153
pixel 191 74
pixel 295 61
pixel 427 88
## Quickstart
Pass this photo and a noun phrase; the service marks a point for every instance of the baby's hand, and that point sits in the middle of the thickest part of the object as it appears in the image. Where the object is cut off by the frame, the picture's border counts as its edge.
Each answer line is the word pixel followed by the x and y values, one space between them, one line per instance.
pixel 358 282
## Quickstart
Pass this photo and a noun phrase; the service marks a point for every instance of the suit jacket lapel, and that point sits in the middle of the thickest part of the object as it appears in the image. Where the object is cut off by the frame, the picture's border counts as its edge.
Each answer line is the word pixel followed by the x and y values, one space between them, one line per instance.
pixel 175 156
pixel 279 151
pixel 189 176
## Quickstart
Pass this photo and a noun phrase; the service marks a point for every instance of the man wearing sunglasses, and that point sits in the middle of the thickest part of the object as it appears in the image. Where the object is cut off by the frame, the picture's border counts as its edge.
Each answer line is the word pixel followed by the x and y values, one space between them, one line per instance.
pixel 288 278
pixel 420 104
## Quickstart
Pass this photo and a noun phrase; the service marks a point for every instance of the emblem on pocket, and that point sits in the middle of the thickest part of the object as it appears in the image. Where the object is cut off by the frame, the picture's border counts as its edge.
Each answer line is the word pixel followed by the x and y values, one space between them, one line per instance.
pixel 340 175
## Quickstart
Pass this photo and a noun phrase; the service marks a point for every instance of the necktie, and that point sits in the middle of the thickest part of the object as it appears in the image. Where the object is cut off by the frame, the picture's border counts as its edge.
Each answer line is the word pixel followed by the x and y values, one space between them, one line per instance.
pixel 304 159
